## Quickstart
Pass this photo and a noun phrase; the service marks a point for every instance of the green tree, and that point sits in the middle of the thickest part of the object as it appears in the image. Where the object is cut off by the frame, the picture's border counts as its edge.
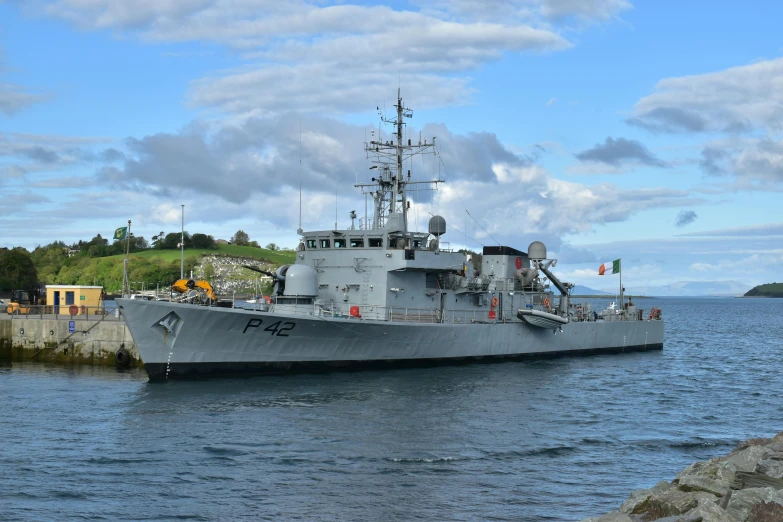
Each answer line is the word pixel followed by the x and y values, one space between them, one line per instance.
pixel 68 275
pixel 173 239
pixel 209 272
pixel 97 247
pixel 17 271
pixel 272 246
pixel 240 238
pixel 139 243
pixel 157 240
pixel 49 259
pixel 136 244
pixel 204 241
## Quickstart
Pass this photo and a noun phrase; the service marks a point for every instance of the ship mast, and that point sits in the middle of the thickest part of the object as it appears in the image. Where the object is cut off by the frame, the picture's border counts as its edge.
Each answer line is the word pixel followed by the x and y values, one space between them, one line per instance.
pixel 389 188
pixel 400 174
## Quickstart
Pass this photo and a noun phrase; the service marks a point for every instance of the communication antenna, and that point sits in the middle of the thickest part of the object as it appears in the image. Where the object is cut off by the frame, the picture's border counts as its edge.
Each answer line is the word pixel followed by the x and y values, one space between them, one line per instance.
pixel 300 175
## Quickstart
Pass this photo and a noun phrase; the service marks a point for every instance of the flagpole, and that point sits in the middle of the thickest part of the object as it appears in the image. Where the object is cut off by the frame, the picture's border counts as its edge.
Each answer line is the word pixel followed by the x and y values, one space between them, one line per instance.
pixel 127 240
pixel 125 283
pixel 622 299
pixel 182 247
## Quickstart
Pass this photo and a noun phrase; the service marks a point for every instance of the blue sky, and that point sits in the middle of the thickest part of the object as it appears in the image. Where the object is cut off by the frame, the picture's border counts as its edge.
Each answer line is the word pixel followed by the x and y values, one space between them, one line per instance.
pixel 606 128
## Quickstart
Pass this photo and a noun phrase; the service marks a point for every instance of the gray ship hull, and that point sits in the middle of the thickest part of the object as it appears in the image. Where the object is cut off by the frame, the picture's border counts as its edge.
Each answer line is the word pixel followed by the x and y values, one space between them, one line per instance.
pixel 181 340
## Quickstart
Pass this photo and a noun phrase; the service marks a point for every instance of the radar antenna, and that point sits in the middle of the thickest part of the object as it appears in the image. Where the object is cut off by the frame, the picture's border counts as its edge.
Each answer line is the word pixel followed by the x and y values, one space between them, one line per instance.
pixel 389 187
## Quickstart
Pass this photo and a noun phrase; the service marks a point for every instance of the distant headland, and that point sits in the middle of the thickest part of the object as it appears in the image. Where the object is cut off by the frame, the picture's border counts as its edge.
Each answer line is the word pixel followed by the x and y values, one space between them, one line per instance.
pixel 768 290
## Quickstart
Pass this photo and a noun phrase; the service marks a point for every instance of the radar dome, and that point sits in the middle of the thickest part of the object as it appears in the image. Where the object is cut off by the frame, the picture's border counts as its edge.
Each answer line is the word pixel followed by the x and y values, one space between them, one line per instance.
pixel 437 226
pixel 536 250
pixel 301 280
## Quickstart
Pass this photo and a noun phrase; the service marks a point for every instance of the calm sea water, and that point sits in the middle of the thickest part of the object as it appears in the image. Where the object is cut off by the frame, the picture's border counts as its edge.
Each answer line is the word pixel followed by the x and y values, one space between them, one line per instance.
pixel 554 439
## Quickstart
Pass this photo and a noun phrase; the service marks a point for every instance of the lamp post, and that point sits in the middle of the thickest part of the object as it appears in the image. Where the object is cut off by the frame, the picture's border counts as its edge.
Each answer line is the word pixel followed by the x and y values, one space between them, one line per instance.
pixel 182 247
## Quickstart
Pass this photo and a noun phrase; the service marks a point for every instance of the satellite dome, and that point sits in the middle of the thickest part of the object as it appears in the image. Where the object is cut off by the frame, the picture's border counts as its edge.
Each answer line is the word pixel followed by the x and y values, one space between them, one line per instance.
pixel 437 226
pixel 536 250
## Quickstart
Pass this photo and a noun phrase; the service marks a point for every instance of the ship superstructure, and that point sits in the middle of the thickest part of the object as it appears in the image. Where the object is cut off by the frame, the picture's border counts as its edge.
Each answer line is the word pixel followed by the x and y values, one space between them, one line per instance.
pixel 381 293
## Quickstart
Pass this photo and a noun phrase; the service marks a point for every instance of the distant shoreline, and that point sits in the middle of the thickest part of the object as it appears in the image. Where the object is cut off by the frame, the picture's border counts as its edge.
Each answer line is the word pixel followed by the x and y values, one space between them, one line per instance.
pixel 611 296
pixel 766 290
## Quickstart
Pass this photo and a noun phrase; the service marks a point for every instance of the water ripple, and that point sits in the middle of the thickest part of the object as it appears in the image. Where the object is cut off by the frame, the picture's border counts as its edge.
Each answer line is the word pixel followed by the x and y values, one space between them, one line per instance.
pixel 556 439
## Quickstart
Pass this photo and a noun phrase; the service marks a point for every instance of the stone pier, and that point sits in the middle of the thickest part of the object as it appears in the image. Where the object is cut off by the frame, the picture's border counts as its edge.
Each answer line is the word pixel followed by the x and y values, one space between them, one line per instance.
pixel 103 340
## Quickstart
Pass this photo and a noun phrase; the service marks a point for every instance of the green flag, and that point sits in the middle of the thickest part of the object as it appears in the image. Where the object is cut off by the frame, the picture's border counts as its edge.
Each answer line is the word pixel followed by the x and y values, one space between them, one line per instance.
pixel 121 233
pixel 609 268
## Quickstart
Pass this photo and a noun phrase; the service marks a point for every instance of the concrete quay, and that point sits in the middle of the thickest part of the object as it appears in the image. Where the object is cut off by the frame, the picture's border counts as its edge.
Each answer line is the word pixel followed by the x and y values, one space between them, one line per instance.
pixel 48 338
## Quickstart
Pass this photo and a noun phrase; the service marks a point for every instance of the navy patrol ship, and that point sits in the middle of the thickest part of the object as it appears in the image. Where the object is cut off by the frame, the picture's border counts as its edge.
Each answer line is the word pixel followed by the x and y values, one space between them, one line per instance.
pixel 380 294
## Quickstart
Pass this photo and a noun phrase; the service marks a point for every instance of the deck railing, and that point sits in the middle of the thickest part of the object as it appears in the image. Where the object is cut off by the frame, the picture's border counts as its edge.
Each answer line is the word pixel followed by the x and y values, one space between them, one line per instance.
pixel 336 310
pixel 395 313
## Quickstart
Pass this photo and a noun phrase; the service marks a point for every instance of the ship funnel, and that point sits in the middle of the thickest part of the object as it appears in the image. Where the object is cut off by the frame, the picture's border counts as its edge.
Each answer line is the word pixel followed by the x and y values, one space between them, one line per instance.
pixel 536 250
pixel 437 226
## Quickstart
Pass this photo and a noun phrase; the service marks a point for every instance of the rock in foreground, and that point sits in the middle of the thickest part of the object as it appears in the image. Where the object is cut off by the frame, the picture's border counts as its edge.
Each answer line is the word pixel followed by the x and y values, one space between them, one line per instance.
pixel 744 486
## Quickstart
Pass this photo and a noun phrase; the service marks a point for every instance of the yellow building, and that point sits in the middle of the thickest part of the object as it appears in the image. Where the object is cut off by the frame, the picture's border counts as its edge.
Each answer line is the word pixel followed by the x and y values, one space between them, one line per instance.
pixel 86 299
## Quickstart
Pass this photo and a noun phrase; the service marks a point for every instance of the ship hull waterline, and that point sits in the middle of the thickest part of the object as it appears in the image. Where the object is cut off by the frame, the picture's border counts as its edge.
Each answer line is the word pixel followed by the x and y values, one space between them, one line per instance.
pixel 189 341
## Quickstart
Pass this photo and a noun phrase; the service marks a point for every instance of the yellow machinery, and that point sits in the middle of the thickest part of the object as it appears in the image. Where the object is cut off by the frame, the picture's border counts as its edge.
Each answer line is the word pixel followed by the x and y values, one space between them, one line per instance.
pixel 196 292
pixel 21 302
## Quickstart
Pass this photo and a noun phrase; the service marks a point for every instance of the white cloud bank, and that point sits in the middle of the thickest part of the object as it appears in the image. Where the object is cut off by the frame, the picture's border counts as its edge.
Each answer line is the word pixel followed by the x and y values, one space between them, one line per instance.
pixel 333 57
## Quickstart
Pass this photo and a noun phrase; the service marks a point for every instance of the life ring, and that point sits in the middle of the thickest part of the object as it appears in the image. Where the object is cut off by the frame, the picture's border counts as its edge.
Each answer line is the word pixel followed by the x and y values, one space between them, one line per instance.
pixel 494 301
pixel 268 300
pixel 73 309
pixel 546 302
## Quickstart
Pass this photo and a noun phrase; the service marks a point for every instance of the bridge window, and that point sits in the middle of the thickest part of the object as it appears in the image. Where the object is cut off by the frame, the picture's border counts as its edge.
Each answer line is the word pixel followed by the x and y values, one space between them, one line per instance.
pixel 396 242
pixel 339 243
pixel 311 243
pixel 357 242
pixel 324 243
pixel 375 242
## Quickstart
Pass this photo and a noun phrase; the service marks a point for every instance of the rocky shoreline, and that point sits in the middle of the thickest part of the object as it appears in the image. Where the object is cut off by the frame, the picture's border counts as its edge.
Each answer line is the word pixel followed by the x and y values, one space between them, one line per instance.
pixel 744 486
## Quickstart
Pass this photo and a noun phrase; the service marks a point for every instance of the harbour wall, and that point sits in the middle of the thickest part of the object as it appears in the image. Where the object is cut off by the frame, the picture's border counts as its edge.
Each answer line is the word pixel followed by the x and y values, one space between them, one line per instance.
pixel 103 341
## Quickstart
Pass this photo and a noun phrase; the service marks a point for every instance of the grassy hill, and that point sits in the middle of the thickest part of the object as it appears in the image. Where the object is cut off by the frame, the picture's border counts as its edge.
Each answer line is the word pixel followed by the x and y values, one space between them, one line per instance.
pixel 275 257
pixel 768 290
pixel 153 267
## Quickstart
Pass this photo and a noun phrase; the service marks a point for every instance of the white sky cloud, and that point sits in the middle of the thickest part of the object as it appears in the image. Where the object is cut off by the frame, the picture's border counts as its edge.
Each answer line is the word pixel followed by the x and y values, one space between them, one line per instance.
pixel 744 98
pixel 584 9
pixel 742 105
pixel 618 151
pixel 249 70
pixel 328 58
pixel 221 170
pixel 15 98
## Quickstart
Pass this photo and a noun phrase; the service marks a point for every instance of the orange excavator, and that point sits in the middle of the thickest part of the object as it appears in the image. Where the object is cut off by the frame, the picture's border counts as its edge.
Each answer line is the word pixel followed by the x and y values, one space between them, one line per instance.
pixel 196 292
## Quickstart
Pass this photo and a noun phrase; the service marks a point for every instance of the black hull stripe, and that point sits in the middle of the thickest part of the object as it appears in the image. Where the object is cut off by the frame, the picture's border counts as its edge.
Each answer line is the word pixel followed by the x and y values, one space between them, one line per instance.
pixel 163 371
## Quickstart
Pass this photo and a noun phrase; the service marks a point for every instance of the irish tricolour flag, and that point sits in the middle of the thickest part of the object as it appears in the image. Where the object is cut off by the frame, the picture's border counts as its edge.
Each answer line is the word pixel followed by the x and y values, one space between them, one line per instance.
pixel 609 268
